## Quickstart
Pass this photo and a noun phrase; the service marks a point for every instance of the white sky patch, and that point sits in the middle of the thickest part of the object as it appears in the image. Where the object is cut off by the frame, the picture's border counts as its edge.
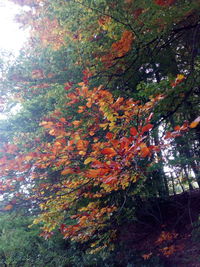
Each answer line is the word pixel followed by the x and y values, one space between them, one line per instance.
pixel 12 37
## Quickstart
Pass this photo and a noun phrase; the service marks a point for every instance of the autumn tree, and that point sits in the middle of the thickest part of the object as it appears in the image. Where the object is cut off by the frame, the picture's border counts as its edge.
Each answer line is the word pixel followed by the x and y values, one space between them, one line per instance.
pixel 102 89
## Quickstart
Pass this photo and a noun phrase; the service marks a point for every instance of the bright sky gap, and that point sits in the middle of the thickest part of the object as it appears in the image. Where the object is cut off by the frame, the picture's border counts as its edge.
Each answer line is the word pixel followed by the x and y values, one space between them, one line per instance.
pixel 12 37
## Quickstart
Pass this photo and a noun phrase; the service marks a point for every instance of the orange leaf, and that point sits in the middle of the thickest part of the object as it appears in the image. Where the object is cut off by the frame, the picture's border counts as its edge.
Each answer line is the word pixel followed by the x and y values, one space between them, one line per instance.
pixel 91 133
pixel 108 151
pixel 93 173
pixel 76 123
pixel 133 131
pixel 103 20
pixel 62 120
pixel 81 109
pixel 8 207
pixel 146 256
pixel 82 145
pixel 144 152
pixel 195 122
pixel 46 124
pixel 177 128
pixel 66 171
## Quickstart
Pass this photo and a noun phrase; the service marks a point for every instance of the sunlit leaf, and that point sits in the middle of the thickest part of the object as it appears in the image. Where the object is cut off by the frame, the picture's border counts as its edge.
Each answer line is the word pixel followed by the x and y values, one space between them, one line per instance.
pixel 195 122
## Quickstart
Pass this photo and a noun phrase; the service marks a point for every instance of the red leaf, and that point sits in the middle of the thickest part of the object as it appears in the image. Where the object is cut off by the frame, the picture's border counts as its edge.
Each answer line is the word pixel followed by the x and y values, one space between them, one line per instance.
pixel 137 12
pixel 165 2
pixel 68 86
pixel 109 136
pixel 168 135
pixel 62 227
pixel 133 131
pixel 147 127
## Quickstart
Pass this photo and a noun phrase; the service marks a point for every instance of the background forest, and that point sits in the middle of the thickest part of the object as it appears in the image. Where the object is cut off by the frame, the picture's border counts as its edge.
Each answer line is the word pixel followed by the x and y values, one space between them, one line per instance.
pixel 99 145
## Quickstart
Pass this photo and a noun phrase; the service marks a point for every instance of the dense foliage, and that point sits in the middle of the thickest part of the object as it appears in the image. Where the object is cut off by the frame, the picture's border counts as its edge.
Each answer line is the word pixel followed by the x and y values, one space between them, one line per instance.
pixel 105 97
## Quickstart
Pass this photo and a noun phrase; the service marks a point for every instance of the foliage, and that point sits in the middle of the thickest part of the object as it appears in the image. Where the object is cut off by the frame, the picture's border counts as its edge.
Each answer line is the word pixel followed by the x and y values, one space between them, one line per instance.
pixel 21 245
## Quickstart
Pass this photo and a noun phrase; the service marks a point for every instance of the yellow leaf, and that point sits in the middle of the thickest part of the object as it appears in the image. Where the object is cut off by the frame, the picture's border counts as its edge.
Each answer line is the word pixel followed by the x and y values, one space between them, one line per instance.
pixel 103 125
pixel 77 137
pixel 88 160
pixel 93 245
pixel 180 77
pixel 28 158
pixel 82 153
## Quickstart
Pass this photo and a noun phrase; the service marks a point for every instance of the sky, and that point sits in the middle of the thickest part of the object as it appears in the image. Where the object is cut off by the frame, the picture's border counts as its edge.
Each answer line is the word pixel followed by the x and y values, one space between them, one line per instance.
pixel 12 37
